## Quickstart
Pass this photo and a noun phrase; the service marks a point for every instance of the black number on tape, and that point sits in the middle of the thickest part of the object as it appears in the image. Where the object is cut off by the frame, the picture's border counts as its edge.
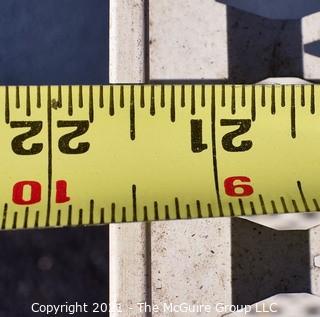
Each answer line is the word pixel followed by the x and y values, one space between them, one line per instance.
pixel 227 139
pixel 82 127
pixel 196 137
pixel 17 143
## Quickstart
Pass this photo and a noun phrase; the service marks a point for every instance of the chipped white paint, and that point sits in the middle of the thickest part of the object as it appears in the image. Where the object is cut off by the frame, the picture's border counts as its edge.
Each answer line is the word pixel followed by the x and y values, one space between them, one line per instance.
pixel 127 265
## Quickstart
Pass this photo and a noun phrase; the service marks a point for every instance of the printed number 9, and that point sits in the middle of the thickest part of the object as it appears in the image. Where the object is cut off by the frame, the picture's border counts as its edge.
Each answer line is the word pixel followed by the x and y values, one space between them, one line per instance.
pixel 238 190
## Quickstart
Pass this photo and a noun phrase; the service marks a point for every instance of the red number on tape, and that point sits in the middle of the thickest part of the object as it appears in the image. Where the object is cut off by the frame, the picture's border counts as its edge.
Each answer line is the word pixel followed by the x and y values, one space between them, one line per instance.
pixel 238 189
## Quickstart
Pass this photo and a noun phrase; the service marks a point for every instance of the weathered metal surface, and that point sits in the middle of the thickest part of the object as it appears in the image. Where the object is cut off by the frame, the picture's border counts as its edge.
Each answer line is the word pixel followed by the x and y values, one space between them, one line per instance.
pixel 188 40
pixel 128 242
pixel 191 263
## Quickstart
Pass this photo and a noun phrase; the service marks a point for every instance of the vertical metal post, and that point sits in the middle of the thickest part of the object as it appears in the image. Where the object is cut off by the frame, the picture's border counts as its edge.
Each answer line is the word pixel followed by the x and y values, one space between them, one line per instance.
pixel 128 242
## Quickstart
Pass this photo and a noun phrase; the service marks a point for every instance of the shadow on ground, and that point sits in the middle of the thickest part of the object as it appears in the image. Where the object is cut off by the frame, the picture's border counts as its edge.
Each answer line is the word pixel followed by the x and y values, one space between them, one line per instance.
pixel 52 266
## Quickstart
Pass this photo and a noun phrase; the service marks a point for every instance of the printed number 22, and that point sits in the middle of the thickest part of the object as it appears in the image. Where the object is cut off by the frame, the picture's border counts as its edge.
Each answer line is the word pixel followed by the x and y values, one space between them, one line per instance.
pixel 35 127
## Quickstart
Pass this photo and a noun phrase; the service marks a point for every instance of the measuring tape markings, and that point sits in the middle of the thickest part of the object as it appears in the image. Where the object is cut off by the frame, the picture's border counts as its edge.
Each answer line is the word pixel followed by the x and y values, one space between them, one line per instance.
pixel 199 111
pixel 71 103
pixel 293 135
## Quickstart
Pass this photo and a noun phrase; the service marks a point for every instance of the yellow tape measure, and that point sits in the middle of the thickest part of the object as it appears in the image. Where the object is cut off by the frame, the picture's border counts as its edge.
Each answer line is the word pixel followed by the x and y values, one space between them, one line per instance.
pixel 83 155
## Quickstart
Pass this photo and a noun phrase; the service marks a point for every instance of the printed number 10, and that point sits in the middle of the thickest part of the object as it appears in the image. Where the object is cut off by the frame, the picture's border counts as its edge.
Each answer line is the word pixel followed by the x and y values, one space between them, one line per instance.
pixel 21 197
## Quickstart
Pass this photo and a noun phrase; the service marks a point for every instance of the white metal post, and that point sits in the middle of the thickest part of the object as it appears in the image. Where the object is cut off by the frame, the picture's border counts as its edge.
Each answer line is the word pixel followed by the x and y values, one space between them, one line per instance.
pixel 128 243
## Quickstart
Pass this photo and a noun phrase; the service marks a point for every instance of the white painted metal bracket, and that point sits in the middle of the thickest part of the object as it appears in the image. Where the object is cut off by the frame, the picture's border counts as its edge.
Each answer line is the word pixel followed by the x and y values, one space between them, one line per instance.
pixel 230 261
pixel 196 261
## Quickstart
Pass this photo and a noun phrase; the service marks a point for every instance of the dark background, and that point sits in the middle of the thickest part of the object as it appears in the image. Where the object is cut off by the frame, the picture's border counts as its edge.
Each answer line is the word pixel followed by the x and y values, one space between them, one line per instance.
pixel 53 42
